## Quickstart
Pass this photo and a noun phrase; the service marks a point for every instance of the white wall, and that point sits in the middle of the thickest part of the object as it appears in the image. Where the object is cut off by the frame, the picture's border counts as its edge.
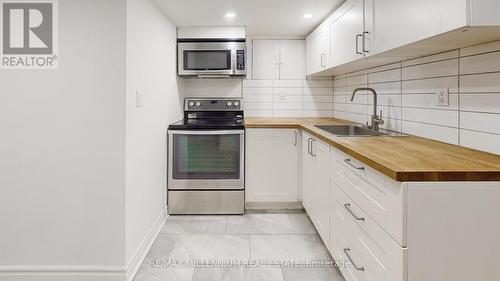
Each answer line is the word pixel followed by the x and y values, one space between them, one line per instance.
pixel 409 102
pixel 62 149
pixel 151 69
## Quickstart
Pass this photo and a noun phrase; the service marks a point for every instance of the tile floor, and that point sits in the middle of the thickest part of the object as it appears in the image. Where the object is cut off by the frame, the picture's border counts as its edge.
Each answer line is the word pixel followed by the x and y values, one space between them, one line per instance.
pixel 252 247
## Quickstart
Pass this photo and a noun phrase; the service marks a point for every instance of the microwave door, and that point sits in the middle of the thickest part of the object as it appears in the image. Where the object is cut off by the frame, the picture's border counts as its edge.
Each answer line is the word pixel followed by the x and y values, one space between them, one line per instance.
pixel 208 62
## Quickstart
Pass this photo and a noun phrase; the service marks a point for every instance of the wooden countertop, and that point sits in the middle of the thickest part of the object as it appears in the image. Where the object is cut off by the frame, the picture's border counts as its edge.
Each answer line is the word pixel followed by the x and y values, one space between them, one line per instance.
pixel 402 158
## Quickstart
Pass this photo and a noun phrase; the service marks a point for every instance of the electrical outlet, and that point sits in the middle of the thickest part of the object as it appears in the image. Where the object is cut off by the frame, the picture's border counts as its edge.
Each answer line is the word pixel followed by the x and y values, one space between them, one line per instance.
pixel 443 96
pixel 138 99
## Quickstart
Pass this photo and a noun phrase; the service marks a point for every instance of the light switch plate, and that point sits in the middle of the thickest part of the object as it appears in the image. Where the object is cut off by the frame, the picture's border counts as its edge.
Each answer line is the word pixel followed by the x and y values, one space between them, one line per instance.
pixel 139 99
pixel 443 96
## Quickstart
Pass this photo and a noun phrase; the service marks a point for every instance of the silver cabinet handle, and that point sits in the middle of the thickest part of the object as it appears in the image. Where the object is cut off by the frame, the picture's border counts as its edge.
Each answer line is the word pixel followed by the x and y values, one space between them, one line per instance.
pixel 312 148
pixel 357 43
pixel 322 59
pixel 296 138
pixel 309 144
pixel 346 251
pixel 364 42
pixel 348 161
pixel 347 206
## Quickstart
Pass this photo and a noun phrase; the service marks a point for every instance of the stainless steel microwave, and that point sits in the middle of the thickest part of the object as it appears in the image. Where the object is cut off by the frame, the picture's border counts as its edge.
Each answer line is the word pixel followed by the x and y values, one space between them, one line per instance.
pixel 210 58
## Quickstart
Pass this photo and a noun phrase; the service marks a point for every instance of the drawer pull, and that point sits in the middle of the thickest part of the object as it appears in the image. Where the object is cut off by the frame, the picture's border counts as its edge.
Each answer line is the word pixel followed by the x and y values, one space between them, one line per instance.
pixel 348 161
pixel 348 208
pixel 346 251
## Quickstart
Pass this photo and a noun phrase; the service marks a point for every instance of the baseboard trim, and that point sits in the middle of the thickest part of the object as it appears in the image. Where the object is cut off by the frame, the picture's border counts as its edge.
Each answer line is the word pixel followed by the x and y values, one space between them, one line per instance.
pixel 66 273
pixel 140 253
pixel 87 273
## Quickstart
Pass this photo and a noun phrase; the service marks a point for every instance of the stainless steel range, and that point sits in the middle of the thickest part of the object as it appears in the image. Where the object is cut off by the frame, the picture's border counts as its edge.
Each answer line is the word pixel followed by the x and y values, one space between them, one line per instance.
pixel 206 158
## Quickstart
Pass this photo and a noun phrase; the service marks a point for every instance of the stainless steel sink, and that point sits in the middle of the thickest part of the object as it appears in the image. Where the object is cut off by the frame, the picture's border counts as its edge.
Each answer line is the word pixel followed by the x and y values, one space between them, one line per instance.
pixel 354 131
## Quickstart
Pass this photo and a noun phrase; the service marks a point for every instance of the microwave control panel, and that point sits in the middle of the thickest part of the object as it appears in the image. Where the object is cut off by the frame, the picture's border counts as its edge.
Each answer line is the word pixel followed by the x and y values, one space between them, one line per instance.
pixel 240 59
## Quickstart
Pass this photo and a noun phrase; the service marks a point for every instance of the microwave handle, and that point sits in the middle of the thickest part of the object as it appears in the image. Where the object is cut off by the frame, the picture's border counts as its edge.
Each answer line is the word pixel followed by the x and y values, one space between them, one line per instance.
pixel 213 76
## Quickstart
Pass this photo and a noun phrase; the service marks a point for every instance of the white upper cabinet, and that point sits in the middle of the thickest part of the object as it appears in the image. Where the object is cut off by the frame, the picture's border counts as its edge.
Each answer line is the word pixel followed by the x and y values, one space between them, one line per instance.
pixel 266 59
pixel 376 32
pixel 293 60
pixel 347 37
pixel 279 59
pixel 317 50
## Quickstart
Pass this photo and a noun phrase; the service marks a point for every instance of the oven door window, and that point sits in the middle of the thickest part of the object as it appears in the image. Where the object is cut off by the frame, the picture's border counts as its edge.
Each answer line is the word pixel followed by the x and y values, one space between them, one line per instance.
pixel 206 157
pixel 207 60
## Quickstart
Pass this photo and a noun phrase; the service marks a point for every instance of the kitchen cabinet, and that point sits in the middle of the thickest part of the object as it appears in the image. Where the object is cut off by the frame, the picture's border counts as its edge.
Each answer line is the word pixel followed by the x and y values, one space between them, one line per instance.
pixel 347 34
pixel 272 165
pixel 279 60
pixel 316 183
pixel 317 49
pixel 364 33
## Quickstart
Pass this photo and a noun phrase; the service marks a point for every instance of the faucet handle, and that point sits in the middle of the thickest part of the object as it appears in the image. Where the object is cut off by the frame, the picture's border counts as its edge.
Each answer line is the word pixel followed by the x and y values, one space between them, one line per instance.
pixel 381 121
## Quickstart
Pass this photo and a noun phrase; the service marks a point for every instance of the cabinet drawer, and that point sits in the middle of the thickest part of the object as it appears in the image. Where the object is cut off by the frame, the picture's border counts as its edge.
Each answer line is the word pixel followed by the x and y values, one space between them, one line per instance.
pixel 375 254
pixel 382 257
pixel 380 197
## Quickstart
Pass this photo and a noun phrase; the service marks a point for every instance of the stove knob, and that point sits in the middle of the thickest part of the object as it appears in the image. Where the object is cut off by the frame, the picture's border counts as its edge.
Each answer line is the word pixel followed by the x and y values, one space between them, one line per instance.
pixel 236 103
pixel 191 104
pixel 229 103
pixel 198 103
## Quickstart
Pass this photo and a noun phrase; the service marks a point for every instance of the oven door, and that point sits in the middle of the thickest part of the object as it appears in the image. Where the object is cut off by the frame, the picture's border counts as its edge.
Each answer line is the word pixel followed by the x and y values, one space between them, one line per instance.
pixel 206 160
pixel 208 58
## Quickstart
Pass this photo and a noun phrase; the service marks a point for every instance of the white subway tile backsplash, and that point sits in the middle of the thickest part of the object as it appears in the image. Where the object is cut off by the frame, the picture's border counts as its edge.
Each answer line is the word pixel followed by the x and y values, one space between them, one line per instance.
pixel 318 91
pixel 318 84
pixel 360 80
pixel 430 116
pixel 258 105
pixel 287 98
pixel 489 103
pixel 429 101
pixel 387 100
pixel 387 88
pixel 288 83
pixel 258 98
pixel 258 113
pixel 318 99
pixel 257 91
pixel 480 83
pixel 480 141
pixel 484 122
pixel 440 133
pixel 428 86
pixel 480 63
pixel 385 76
pixel 315 113
pixel 429 70
pixel 257 83
pixel 287 91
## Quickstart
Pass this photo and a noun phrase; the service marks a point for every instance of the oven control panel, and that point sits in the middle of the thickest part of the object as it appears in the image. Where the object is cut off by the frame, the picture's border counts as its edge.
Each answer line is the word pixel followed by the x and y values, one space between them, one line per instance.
pixel 208 104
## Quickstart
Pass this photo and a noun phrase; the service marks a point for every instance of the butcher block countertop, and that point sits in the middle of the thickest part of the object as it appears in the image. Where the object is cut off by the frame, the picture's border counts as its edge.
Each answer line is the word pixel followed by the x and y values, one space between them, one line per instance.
pixel 402 158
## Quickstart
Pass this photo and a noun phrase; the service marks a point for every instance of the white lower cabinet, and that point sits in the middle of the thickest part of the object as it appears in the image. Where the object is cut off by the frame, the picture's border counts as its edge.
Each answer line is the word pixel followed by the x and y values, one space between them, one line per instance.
pixel 316 183
pixel 378 229
pixel 272 165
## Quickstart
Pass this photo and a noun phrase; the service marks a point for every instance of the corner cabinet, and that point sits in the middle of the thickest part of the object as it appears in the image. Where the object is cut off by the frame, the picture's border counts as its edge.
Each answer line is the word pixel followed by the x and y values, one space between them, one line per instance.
pixel 279 59
pixel 316 183
pixel 317 50
pixel 272 165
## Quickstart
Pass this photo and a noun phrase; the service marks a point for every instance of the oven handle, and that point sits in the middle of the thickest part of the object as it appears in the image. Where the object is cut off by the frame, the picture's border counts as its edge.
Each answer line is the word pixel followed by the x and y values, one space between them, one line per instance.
pixel 204 132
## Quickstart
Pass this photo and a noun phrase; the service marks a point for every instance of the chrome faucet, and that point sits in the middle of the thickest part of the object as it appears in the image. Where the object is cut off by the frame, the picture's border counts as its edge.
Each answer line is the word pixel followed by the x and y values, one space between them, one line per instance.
pixel 376 119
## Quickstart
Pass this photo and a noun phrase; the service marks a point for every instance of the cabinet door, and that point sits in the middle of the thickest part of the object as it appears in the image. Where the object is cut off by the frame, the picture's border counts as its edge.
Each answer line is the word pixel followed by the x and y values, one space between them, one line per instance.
pixel 321 192
pixel 346 35
pixel 317 45
pixel 293 60
pixel 272 165
pixel 308 173
pixel 411 26
pixel 266 59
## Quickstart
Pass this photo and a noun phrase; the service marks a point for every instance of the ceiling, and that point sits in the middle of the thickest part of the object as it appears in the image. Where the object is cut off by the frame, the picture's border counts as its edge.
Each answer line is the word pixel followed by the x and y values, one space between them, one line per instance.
pixel 263 18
